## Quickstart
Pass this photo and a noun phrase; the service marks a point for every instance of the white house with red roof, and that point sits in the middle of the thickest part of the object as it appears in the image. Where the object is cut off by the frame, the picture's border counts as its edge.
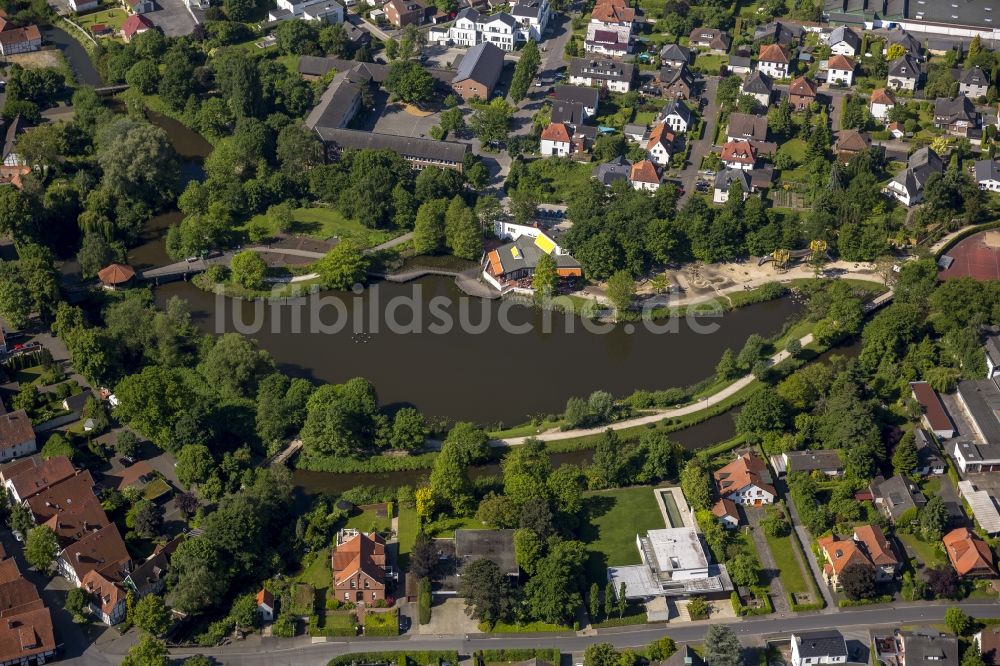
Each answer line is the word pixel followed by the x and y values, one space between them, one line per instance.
pixel 746 481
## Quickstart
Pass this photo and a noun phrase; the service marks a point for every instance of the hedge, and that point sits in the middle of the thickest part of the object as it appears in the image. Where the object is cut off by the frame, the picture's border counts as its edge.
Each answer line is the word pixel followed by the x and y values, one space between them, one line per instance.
pixel 849 603
pixel 333 624
pixel 424 600
pixel 382 624
pixel 758 593
pixel 798 608
pixel 416 658
pixel 552 656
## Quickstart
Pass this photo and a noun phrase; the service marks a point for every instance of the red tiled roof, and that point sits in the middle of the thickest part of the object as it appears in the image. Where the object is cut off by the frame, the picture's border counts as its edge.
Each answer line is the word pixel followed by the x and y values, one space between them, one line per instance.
pixel 738 151
pixel 660 134
pixel 773 53
pixel 134 24
pixel 933 409
pixel 608 13
pixel 265 598
pixel 20 35
pixel 725 507
pixel 802 87
pixel 30 478
pixel 644 172
pixel 101 550
pixel 967 552
pixel 15 429
pixel 840 62
pixel 746 470
pixel 26 634
pixel 105 591
pixel 841 553
pixel 116 273
pixel 365 553
pixel 882 96
pixel 131 474
pixel 556 132
pixel 876 544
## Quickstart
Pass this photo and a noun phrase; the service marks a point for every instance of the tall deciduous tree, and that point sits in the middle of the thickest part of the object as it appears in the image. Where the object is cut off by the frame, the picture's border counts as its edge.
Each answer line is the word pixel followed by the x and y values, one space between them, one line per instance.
pixel 486 591
pixel 343 266
pixel 41 547
pixel 429 227
pixel 409 82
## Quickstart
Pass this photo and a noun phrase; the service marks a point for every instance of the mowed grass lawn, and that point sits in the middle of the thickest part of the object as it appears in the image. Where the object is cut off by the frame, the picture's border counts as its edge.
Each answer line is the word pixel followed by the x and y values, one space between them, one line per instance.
pixel 408 527
pixel 368 521
pixel 560 176
pixel 926 553
pixel 326 223
pixel 794 148
pixel 614 518
pixel 318 573
pixel 791 573
pixel 113 18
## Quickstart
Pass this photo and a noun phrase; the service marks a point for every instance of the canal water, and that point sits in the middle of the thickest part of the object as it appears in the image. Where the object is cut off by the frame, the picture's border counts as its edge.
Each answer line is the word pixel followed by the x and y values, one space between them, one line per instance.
pixel 79 60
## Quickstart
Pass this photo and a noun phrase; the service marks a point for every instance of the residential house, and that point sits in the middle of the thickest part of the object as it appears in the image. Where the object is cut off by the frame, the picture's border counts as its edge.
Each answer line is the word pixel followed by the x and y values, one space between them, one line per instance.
pixel 69 508
pixel 778 32
pixel 739 155
pixel 512 265
pixel 265 606
pixel 607 42
pixel 532 18
pixel 17 436
pixel 934 415
pixel 608 173
pixel 926 646
pixel 635 132
pixel 556 139
pixel 15 128
pixel 928 461
pixel 102 550
pixel 673 55
pixel 611 17
pixel 746 127
pixel 867 547
pixel 759 85
pixel 712 39
pixel 973 83
pixel 26 632
pixel 956 115
pixel 106 597
pixel 825 646
pixel 746 480
pixel 479 72
pixel 402 13
pixel 908 188
pixel 359 566
pixel 83 5
pixel 988 642
pixel 896 497
pixel 137 474
pixel 146 6
pixel 896 130
pixel 21 40
pixel 824 461
pixel 643 176
pixel 660 145
pixel 969 555
pixel 28 477
pixel 684 656
pixel 613 75
pixel 801 93
pixel 674 564
pixel 567 113
pixel 904 73
pixel 677 115
pixel 882 102
pixel 150 577
pixel 587 98
pixel 972 457
pixel 840 71
pixel 724 182
pixel 773 60
pixel 471 28
pixel 844 41
pixel 725 510
pixel 739 65
pixel 909 43
pixel 78 402
pixel 136 24
pixel 494 545
pixel 675 82
pixel 851 143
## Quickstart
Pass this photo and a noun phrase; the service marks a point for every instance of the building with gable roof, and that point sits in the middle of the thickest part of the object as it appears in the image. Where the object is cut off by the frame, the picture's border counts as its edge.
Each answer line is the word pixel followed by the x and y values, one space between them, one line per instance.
pixel 359 567
pixel 801 93
pixel 739 155
pixel 882 102
pixel 644 176
pixel 904 73
pixel 746 480
pixel 17 436
pixel 844 41
pixel 479 72
pixel 28 477
pixel 760 86
pixel 774 61
pixel 840 71
pixel 968 554
pixel 908 188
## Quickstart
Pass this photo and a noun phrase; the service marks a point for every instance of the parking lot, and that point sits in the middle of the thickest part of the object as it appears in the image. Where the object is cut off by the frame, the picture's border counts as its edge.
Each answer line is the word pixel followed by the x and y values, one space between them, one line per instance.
pixel 172 17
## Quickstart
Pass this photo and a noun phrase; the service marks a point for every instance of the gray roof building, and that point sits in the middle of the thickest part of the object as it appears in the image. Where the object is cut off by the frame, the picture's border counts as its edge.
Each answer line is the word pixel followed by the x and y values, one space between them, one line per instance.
pixel 571 113
pixel 675 53
pixel 494 545
pixel 725 179
pixel 779 33
pixel 601 69
pixel 747 126
pixel 588 97
pixel 421 151
pixel 482 63
pixel 907 41
pixel 974 76
pixel 820 460
pixel 988 170
pixel 678 108
pixel 684 656
pixel 929 647
pixel 948 110
pixel 981 399
pixel 904 67
pixel 743 62
pixel 758 83
pixel 844 34
pixel 823 646
pixel 895 496
pixel 614 170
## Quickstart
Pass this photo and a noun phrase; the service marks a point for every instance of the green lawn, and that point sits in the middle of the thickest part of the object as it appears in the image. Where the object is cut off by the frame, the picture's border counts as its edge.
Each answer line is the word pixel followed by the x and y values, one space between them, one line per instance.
pixel 113 18
pixel 368 521
pixel 326 223
pixel 614 518
pixel 791 573
pixel 408 526
pixel 29 375
pixel 709 63
pixel 155 489
pixel 794 148
pixel 926 552
pixel 644 117
pixel 445 527
pixel 560 176
pixel 318 573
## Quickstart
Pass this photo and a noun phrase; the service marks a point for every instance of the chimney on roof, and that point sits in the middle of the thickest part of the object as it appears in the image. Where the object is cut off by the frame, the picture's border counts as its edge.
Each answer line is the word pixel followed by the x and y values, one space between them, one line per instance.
pixel 78 556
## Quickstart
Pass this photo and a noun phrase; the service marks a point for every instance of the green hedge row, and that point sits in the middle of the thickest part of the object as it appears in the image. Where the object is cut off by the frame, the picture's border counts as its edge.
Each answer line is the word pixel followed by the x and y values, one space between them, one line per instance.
pixel 850 603
pixel 484 656
pixel 421 658
pixel 759 593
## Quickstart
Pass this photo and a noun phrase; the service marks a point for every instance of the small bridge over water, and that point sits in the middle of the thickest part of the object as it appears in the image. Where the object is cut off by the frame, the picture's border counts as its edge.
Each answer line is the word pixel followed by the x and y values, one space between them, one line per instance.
pixel 181 270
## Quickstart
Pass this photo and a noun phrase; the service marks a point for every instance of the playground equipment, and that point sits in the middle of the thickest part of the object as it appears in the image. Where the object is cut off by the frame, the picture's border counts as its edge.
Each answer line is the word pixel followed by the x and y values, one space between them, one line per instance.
pixel 782 257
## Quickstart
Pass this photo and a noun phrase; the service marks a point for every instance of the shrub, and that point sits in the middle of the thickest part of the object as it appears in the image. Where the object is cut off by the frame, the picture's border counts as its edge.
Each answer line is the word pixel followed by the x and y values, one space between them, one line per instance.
pixel 382 624
pixel 424 600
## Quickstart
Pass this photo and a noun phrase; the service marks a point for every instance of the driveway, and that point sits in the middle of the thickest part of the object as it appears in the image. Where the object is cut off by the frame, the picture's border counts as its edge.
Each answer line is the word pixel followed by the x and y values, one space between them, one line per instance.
pixel 806 540
pixel 770 568
pixel 703 145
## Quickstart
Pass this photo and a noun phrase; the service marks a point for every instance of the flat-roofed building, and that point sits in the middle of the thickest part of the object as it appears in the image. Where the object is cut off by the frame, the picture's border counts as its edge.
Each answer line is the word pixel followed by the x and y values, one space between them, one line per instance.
pixel 674 563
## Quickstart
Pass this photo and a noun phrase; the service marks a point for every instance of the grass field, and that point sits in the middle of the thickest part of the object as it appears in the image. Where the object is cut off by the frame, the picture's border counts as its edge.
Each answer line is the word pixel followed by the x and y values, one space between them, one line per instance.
pixel 368 521
pixel 531 627
pixel 445 528
pixel 318 572
pixel 792 576
pixel 113 18
pixel 560 176
pixel 614 517
pixel 926 552
pixel 794 148
pixel 408 526
pixel 326 223
pixel 709 63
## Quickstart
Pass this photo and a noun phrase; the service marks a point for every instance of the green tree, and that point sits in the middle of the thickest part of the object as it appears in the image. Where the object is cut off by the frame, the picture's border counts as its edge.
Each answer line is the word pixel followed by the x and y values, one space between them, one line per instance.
pixel 194 464
pixel 554 594
pixel 744 569
pixel 594 603
pixel 697 484
pixel 661 648
pixel 486 591
pixel 491 122
pixel 429 227
pixel 525 71
pixel 462 232
pixel 528 549
pixel 409 430
pixel 621 291
pixel 144 76
pixel 858 581
pixel 904 458
pixel 151 615
pixel 41 548
pixel 958 621
pixel 57 445
pixel 149 651
pixel 933 519
pixel 95 253
pixel 543 280
pixel 726 368
pixel 248 269
pixel 234 366
pixel 722 648
pixel 600 654
pixel 75 602
pixel 409 82
pixel 763 412
pixel 343 266
pixel 127 444
pixel 343 419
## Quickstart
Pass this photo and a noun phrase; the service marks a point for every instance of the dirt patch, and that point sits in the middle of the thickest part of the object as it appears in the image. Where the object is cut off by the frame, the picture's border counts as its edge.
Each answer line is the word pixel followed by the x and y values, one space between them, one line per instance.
pixel 37 59
pixel 414 111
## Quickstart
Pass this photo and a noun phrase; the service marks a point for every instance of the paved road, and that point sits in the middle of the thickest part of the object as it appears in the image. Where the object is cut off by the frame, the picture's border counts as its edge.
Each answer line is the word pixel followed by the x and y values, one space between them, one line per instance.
pixel 703 145
pixel 751 630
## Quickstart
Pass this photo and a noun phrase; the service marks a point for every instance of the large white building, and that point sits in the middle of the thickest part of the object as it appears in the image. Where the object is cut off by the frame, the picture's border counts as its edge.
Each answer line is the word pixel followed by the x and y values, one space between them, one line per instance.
pixel 308 10
pixel 528 20
pixel 674 563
